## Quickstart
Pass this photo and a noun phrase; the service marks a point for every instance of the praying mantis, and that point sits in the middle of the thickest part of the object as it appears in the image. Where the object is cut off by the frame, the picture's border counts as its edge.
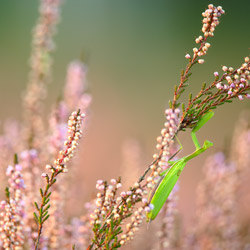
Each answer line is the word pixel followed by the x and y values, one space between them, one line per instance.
pixel 170 176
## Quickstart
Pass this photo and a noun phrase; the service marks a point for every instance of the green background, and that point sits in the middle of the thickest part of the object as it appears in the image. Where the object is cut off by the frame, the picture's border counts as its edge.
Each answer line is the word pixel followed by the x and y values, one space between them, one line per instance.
pixel 134 50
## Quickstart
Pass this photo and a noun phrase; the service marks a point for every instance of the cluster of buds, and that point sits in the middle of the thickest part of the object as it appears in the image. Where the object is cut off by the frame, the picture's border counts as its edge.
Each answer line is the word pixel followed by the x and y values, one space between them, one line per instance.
pixel 163 144
pixel 16 182
pixel 111 211
pixel 74 134
pixel 11 228
pixel 74 92
pixel 210 21
pixel 237 80
pixel 102 216
pixel 49 17
pixel 133 226
pixel 233 83
pixel 105 199
pixel 137 217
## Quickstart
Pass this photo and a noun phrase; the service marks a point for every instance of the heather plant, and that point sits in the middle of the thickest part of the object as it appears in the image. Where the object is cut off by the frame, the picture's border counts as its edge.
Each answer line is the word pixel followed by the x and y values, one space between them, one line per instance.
pixel 32 213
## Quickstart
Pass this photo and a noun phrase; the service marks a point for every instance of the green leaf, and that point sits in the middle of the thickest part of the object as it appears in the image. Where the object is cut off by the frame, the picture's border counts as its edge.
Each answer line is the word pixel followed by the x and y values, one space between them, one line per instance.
pixel 183 107
pixel 190 97
pixel 37 207
pixel 46 201
pixel 7 193
pixel 203 86
pixel 41 192
pixel 45 213
pixel 15 159
pixel 198 101
pixel 111 224
pixel 48 195
pixel 175 88
pixel 182 91
pixel 46 218
pixel 36 217
pixel 46 208
pixel 170 104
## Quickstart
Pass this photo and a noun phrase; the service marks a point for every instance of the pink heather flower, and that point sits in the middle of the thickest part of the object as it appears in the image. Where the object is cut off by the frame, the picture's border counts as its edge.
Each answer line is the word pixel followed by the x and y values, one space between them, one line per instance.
pixel 230 92
pixel 123 194
pixel 99 182
pixel 240 97
pixel 216 74
pixel 224 68
pixel 201 61
pixel 113 181
pixel 129 192
pixel 18 167
pixel 2 204
pixel 219 86
pixel 187 56
pixel 9 170
pixel 33 153
pixel 43 175
pixel 248 96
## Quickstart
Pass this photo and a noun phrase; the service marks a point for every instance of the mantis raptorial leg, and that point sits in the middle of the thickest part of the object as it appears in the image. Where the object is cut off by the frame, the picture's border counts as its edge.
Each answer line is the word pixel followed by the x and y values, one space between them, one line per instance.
pixel 170 177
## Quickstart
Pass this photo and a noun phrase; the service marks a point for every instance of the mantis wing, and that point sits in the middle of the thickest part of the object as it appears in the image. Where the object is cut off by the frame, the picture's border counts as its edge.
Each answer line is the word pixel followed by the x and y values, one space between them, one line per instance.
pixel 164 189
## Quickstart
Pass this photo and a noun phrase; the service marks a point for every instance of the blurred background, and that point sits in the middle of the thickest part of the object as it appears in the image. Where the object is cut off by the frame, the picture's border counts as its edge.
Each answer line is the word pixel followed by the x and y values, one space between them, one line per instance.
pixel 135 51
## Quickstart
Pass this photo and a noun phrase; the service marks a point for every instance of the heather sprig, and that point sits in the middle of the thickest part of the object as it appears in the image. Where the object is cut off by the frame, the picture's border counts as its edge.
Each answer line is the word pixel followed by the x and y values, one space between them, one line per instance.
pixel 111 211
pixel 74 134
pixel 12 214
pixel 233 83
pixel 210 21
pixel 40 62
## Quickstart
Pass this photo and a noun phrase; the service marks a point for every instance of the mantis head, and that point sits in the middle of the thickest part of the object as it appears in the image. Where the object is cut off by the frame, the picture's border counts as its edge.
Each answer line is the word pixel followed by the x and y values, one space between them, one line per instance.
pixel 207 144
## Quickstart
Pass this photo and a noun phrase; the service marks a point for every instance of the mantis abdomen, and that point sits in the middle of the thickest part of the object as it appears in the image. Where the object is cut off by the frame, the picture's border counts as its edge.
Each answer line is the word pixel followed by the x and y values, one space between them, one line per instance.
pixel 164 189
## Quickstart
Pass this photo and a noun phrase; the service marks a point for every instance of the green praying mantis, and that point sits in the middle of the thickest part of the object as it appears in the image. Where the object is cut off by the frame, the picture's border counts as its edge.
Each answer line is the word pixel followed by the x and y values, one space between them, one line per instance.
pixel 170 176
